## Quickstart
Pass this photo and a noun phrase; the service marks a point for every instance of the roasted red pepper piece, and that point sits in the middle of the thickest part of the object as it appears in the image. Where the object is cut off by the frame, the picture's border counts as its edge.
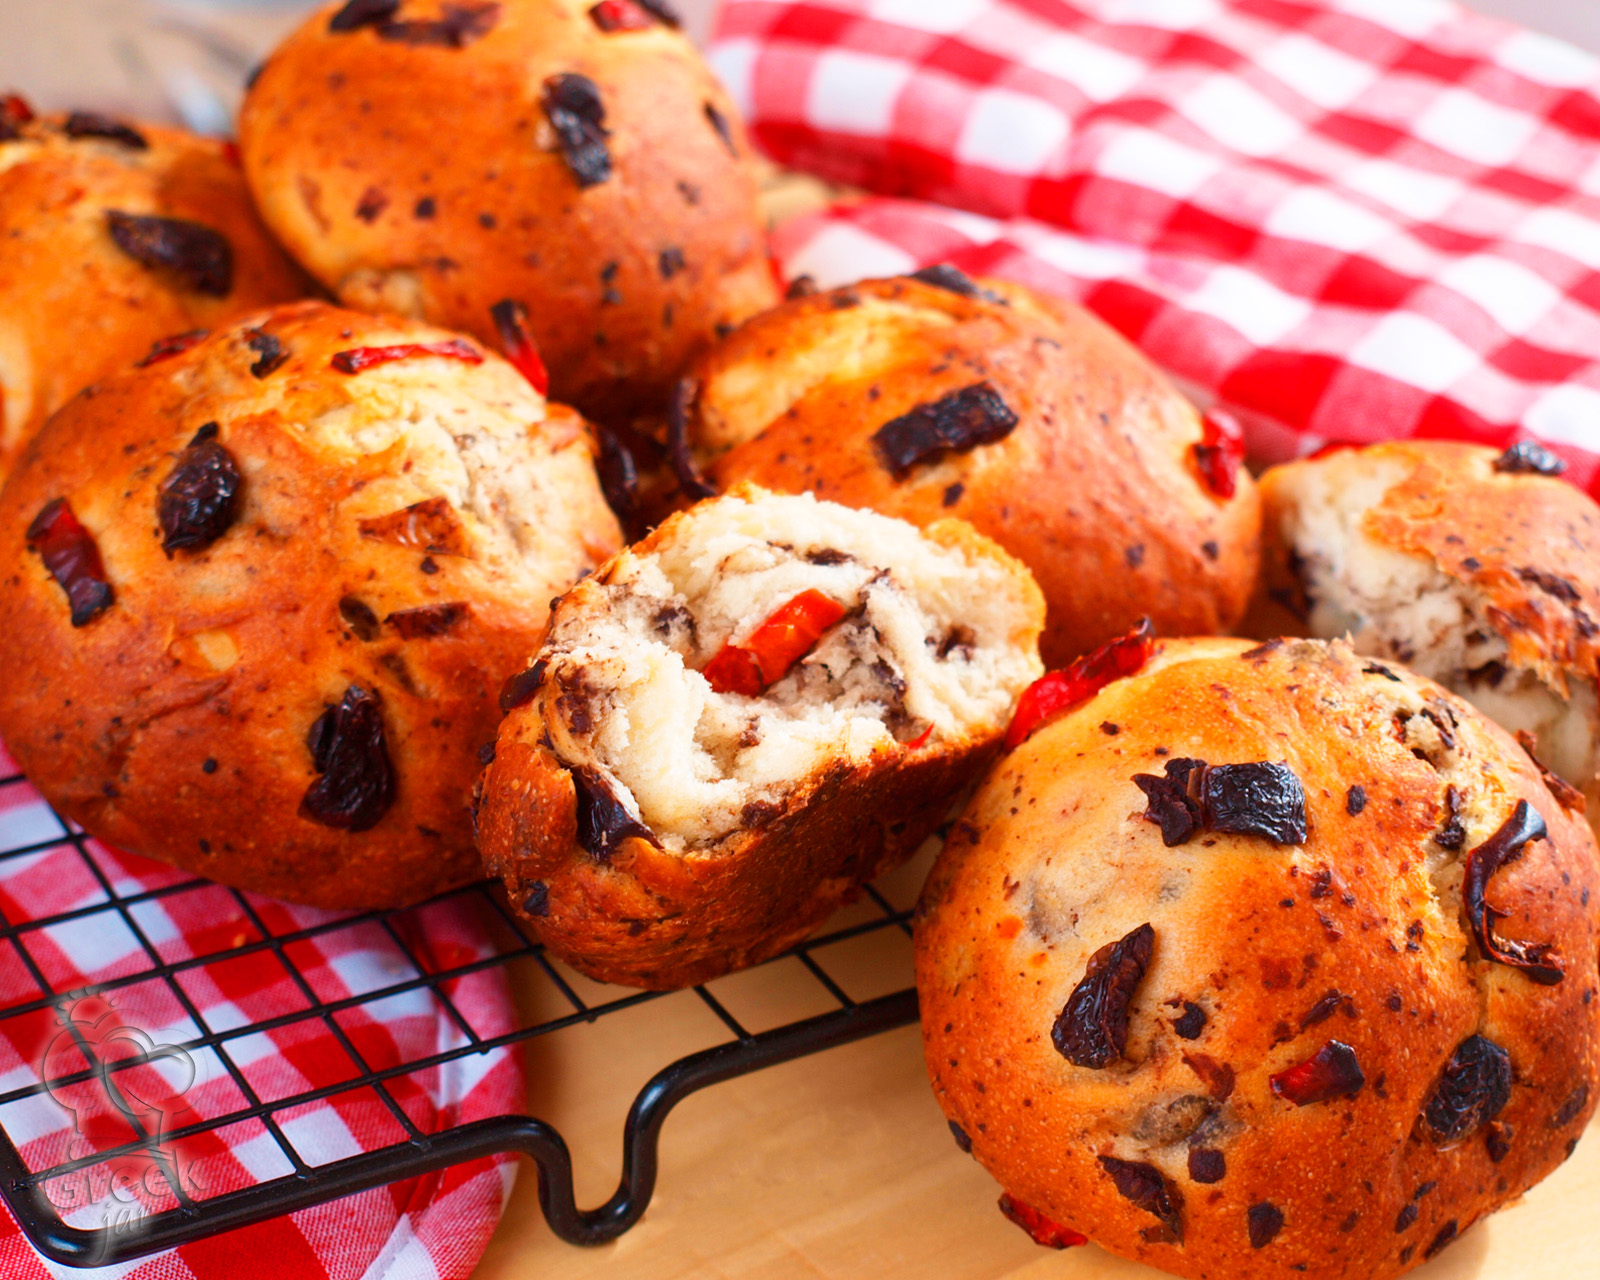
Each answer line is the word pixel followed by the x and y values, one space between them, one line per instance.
pixel 921 740
pixel 14 111
pixel 1220 452
pixel 70 554
pixel 1331 1072
pixel 177 344
pixel 1039 1228
pixel 358 358
pixel 620 15
pixel 511 321
pixel 787 635
pixel 1057 690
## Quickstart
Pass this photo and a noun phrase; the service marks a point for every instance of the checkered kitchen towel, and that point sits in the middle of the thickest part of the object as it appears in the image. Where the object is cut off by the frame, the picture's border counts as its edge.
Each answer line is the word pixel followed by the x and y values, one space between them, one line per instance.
pixel 1341 219
pixel 340 995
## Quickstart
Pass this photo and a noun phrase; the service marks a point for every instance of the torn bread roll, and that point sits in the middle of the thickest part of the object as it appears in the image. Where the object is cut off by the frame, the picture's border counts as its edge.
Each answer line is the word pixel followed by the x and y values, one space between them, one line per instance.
pixel 1264 962
pixel 735 724
pixel 1478 569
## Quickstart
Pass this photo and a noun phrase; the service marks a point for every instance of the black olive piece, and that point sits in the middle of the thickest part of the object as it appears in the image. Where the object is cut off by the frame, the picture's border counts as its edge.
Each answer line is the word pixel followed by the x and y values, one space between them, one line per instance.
pixel 1474 1089
pixel 197 502
pixel 348 748
pixel 90 124
pixel 1505 846
pixel 941 275
pixel 362 13
pixel 456 27
pixel 603 820
pixel 1260 799
pixel 201 257
pixel 1092 1028
pixel 271 352
pixel 957 422
pixel 573 106
pixel 1144 1185
pixel 1265 1221
pixel 1529 456
pixel 690 481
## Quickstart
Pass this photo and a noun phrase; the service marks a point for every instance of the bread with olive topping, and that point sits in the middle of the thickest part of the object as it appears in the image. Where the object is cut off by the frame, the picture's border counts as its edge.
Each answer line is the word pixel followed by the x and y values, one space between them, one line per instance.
pixel 1265 961
pixel 938 395
pixel 575 159
pixel 260 598
pixel 114 236
pixel 659 818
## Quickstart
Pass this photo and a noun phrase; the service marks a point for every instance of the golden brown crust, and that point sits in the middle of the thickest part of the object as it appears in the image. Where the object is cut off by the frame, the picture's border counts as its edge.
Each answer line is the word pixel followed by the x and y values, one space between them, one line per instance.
pixel 653 918
pixel 426 179
pixel 73 306
pixel 1282 948
pixel 1095 490
pixel 175 723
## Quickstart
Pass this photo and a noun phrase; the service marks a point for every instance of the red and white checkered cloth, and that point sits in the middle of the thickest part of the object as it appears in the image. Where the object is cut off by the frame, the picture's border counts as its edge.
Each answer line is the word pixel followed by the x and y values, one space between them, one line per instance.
pixel 1341 219
pixel 433 1227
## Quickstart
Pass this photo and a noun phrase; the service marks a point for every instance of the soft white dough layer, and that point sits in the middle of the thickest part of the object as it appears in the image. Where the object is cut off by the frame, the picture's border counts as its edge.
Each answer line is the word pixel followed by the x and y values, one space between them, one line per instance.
pixel 1400 606
pixel 688 760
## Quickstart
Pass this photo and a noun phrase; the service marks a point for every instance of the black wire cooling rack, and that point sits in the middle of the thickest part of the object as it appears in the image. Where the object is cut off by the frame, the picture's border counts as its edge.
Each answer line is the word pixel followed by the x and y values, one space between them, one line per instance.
pixel 25 1189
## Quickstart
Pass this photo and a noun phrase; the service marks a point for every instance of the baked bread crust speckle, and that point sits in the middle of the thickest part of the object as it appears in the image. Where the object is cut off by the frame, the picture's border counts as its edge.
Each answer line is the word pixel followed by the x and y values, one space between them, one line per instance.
pixel 1264 956
pixel 398 532
pixel 1096 488
pixel 74 306
pixel 430 180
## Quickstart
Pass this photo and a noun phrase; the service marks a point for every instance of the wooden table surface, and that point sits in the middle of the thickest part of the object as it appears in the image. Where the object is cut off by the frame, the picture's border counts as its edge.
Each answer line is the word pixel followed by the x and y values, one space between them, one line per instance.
pixel 840 1165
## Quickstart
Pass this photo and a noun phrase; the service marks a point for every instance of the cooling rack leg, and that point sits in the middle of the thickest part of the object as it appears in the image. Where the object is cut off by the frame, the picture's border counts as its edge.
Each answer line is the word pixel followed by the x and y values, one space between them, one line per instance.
pixel 670 1086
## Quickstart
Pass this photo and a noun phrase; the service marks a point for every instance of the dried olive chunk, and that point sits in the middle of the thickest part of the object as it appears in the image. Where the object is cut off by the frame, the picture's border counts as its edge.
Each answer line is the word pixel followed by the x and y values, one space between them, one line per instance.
pixel 363 13
pixel 572 105
pixel 90 124
pixel 1529 456
pixel 1092 1028
pixel 941 275
pixel 957 422
pixel 348 749
pixel 429 619
pixel 1474 1089
pixel 456 27
pixel 519 689
pixel 1505 846
pixel 724 130
pixel 603 820
pixel 270 351
pixel 198 500
pixel 1259 799
pixel 1170 805
pixel 165 348
pixel 199 256
pixel 1144 1185
pixel 1264 1220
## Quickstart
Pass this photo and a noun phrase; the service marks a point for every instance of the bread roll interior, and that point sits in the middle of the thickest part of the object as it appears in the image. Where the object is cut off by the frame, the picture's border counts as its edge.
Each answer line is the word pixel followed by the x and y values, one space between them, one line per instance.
pixel 930 640
pixel 1401 606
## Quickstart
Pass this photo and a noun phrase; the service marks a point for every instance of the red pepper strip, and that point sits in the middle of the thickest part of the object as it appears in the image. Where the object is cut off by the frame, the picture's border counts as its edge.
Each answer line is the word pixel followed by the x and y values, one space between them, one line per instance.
pixel 620 15
pixel 1057 690
pixel 15 108
pixel 230 153
pixel 358 358
pixel 1331 1072
pixel 511 320
pixel 1333 446
pixel 177 344
pixel 69 552
pixel 1039 1228
pixel 777 644
pixel 776 267
pixel 921 740
pixel 1220 452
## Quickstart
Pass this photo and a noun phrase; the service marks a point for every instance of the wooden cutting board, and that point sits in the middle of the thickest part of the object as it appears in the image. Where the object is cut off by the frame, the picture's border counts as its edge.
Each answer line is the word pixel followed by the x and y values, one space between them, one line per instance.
pixel 840 1165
